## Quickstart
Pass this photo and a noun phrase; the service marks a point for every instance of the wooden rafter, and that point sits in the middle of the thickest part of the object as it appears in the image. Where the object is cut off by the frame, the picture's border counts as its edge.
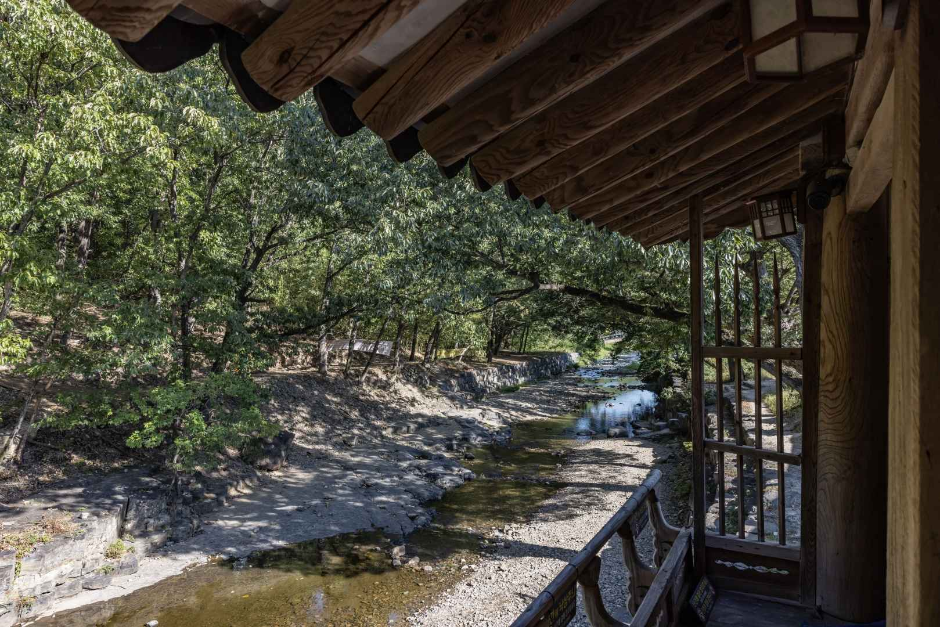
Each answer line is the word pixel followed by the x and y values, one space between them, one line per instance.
pixel 129 20
pixel 664 110
pixel 665 142
pixel 657 212
pixel 597 43
pixel 456 52
pixel 248 17
pixel 735 193
pixel 315 37
pixel 671 192
pixel 715 213
pixel 714 152
pixel 622 91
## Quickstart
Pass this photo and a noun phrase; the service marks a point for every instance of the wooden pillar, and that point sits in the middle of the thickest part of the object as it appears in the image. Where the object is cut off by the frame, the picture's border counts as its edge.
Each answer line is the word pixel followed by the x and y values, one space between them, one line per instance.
pixel 914 431
pixel 851 462
pixel 696 258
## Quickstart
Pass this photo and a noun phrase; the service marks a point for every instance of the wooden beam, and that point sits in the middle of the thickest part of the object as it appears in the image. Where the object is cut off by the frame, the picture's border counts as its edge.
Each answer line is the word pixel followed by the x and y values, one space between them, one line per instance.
pixel 763 454
pixel 248 17
pixel 788 106
pixel 662 209
pixel 701 159
pixel 872 73
pixel 129 20
pixel 667 141
pixel 873 167
pixel 786 353
pixel 675 227
pixel 622 91
pixel 728 199
pixel 913 428
pixel 697 321
pixel 662 111
pixel 315 37
pixel 577 56
pixel 455 53
pixel 670 194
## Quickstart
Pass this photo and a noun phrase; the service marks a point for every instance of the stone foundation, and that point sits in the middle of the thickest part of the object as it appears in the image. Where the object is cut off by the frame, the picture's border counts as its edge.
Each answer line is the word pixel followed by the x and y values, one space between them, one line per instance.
pixel 488 380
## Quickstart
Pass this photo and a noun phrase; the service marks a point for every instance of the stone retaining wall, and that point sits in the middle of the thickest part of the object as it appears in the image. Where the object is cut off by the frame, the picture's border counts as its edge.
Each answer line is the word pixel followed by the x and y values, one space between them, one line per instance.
pixel 147 517
pixel 479 382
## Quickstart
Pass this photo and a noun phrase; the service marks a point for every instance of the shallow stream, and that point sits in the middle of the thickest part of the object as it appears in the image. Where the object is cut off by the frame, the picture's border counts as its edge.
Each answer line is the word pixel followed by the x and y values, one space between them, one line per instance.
pixel 349 579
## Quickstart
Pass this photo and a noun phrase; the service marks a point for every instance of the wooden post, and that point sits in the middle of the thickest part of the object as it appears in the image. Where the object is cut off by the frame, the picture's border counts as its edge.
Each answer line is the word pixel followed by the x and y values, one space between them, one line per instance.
pixel 851 489
pixel 914 430
pixel 811 303
pixel 696 253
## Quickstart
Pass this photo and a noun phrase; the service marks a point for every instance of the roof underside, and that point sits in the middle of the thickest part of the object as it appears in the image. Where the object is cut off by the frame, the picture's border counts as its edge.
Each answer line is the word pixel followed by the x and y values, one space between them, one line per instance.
pixel 617 112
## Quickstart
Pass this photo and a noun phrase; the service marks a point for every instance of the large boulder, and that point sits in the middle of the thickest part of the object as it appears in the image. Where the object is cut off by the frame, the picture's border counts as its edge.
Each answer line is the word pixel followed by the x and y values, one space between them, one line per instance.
pixel 268 453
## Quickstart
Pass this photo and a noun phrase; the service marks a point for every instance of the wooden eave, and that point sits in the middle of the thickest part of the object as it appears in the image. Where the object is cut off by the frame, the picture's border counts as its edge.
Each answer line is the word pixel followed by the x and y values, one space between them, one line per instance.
pixel 615 112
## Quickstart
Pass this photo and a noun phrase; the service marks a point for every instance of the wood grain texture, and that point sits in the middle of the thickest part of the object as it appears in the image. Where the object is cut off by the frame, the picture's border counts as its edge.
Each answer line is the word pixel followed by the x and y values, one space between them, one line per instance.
pixel 873 167
pixel 697 318
pixel 871 77
pixel 315 37
pixel 593 46
pixel 635 187
pixel 667 108
pixel 248 17
pixel 649 206
pixel 811 308
pixel 634 84
pixel 733 190
pixel 580 54
pixel 695 125
pixel 851 497
pixel 714 216
pixel 449 58
pixel 778 112
pixel 914 432
pixel 129 20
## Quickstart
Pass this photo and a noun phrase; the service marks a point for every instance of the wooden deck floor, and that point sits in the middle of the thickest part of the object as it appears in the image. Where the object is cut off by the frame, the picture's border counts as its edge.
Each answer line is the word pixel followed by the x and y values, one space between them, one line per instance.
pixel 737 610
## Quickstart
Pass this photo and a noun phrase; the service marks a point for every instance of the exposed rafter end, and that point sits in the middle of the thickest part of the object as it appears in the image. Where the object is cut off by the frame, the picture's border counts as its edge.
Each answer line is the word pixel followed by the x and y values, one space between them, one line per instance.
pixel 335 105
pixel 512 191
pixel 405 146
pixel 478 181
pixel 452 170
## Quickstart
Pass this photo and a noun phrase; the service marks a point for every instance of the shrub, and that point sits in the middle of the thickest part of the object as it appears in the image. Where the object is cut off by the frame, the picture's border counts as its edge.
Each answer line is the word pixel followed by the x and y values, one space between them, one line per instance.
pixel 117 549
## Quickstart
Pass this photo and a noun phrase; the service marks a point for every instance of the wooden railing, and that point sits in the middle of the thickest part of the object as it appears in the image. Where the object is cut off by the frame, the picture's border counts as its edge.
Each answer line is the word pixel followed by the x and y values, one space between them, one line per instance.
pixel 657 592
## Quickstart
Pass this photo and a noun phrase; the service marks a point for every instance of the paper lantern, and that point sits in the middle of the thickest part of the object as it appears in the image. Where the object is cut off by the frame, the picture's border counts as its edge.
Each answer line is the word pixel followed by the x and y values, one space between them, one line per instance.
pixel 790 39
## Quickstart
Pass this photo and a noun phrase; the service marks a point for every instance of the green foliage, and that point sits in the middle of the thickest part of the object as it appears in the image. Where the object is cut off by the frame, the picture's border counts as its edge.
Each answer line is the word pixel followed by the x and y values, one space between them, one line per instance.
pixel 160 243
pixel 117 549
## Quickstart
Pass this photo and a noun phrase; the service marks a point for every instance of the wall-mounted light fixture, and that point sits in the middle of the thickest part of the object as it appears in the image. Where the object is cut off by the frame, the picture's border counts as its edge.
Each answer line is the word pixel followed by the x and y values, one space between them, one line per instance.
pixel 773 215
pixel 790 39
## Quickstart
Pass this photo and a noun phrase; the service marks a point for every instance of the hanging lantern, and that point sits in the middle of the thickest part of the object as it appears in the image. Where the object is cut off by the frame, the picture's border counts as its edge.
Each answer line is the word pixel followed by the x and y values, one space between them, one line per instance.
pixel 791 39
pixel 772 215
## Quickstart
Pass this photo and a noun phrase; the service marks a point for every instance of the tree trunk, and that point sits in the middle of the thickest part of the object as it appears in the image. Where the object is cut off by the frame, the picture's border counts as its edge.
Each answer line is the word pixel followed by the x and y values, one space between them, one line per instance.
pixel 396 349
pixel 491 347
pixel 375 349
pixel 437 344
pixel 430 342
pixel 352 342
pixel 414 341
pixel 322 345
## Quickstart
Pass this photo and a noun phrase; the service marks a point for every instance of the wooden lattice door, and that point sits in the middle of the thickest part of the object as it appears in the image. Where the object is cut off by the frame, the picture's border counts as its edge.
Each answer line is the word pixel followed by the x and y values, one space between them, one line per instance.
pixel 747 461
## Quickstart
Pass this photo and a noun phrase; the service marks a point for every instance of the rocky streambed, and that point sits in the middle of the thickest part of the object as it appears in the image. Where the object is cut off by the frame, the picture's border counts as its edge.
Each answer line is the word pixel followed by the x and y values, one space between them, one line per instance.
pixel 453 519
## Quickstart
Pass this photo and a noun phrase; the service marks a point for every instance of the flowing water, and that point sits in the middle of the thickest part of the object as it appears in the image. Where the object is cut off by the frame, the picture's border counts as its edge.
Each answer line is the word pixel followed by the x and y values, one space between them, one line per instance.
pixel 349 579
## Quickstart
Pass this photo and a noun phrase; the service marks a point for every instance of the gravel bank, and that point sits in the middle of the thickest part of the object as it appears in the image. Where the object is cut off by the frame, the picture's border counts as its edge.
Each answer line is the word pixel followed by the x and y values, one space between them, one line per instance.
pixel 600 476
